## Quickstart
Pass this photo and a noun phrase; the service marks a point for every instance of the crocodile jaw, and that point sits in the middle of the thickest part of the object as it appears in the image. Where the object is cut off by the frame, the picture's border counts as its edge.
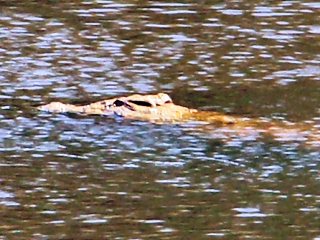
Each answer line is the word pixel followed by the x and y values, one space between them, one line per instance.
pixel 55 107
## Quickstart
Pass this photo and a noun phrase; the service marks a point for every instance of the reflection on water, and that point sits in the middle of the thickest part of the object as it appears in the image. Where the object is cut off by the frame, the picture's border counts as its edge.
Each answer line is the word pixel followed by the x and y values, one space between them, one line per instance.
pixel 78 177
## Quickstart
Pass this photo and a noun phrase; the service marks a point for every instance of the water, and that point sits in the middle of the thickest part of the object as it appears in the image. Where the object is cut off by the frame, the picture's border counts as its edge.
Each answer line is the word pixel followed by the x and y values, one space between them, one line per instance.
pixel 78 177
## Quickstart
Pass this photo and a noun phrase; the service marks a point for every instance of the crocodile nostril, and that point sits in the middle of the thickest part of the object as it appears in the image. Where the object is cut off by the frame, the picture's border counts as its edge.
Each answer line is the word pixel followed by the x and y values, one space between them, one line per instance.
pixel 118 103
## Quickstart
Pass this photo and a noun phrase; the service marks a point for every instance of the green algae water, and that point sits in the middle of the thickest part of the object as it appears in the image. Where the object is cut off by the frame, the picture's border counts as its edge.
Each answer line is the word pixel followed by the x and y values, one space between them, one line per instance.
pixel 94 177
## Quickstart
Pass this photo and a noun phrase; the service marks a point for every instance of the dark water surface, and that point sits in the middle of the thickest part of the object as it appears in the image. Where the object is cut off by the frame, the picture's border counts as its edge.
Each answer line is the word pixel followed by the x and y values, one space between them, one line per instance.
pixel 78 177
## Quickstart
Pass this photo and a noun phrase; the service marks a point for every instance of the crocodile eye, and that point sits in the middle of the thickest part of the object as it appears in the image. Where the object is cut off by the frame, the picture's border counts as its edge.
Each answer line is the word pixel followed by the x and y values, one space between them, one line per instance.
pixel 141 103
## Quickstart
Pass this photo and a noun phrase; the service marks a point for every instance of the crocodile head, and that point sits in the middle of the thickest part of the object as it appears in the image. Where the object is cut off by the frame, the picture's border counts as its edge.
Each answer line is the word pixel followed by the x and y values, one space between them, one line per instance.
pixel 157 107
pixel 136 104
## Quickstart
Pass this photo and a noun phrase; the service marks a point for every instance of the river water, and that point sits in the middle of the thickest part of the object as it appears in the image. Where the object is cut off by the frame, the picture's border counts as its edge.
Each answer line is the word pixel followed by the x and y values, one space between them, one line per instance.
pixel 91 177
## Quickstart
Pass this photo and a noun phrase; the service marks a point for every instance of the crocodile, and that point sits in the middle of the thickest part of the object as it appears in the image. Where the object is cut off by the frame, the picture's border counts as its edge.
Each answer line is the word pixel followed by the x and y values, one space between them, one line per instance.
pixel 152 107
pixel 159 108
